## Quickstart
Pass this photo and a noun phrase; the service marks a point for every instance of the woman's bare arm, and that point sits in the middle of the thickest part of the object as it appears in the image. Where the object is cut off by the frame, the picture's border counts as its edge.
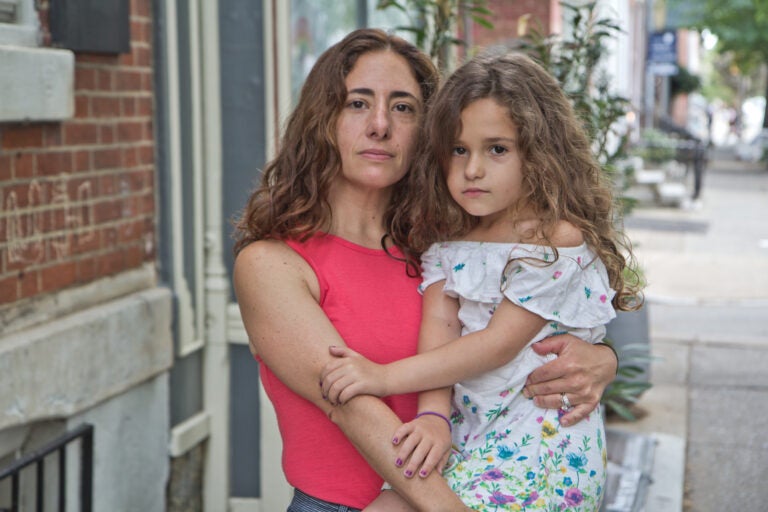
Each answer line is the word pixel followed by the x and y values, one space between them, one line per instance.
pixel 278 297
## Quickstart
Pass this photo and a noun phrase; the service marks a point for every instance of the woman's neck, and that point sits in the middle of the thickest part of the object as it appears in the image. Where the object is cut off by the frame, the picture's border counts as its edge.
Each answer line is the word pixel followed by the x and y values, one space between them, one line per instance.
pixel 359 217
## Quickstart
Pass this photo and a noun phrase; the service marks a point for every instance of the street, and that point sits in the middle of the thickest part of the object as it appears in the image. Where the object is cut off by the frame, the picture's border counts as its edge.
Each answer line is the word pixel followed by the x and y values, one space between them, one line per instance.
pixel 707 271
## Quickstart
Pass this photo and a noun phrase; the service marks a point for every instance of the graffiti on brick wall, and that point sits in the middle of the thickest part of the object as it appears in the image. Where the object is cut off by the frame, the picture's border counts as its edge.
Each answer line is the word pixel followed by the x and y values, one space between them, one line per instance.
pixel 52 213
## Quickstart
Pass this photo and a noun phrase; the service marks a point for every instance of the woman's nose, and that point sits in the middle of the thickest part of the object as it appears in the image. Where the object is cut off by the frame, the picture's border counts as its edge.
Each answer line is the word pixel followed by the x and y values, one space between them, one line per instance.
pixel 379 125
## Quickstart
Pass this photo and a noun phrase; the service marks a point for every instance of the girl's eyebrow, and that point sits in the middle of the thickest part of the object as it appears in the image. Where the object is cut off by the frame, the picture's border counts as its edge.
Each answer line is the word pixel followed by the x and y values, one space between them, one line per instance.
pixel 490 140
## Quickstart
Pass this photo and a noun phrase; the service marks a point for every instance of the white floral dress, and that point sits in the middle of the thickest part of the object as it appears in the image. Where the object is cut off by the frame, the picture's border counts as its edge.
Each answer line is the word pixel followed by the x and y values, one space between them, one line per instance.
pixel 509 454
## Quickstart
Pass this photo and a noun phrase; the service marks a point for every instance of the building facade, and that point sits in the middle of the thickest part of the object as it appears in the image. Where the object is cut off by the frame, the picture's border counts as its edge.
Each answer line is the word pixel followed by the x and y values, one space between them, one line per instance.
pixel 85 327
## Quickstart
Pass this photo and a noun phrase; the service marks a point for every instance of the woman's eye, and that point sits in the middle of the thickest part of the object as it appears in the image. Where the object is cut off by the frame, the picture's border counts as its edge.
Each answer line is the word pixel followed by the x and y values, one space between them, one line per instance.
pixel 404 107
pixel 498 150
pixel 458 150
pixel 357 104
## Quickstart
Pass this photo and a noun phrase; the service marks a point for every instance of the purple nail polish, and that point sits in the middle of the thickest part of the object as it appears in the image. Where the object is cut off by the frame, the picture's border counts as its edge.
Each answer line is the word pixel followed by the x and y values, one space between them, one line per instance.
pixel 423 473
pixel 395 440
pixel 408 473
pixel 399 462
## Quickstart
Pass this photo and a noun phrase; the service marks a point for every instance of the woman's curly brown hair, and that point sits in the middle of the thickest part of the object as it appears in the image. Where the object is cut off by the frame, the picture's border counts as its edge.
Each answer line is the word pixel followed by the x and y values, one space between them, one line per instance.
pixel 292 198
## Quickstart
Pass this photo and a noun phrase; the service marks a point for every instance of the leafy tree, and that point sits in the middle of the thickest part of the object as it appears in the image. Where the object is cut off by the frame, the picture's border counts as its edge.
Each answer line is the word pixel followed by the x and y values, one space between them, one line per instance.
pixel 433 23
pixel 575 61
pixel 741 27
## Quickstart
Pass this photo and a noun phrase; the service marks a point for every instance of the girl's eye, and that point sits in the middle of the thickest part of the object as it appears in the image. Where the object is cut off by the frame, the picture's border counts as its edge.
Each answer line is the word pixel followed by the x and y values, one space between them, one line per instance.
pixel 498 150
pixel 357 104
pixel 459 151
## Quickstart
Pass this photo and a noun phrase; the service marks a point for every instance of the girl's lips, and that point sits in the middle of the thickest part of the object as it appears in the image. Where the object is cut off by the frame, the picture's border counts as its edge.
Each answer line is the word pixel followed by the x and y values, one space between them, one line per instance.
pixel 473 192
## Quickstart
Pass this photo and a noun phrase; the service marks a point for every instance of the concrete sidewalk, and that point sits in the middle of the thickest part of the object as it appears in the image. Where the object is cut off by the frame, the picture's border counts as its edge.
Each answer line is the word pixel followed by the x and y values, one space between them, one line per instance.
pixel 707 272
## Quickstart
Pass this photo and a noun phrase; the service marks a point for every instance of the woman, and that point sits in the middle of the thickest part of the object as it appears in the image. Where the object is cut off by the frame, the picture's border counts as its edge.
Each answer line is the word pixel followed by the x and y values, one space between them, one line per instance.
pixel 316 267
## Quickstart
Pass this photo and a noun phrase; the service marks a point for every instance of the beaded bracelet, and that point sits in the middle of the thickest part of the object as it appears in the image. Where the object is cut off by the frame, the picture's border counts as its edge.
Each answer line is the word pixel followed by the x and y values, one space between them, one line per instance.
pixel 433 413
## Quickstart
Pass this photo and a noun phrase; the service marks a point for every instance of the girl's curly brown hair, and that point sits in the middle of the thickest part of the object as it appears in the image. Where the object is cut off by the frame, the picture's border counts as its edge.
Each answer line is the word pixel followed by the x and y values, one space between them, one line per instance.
pixel 562 178
pixel 292 199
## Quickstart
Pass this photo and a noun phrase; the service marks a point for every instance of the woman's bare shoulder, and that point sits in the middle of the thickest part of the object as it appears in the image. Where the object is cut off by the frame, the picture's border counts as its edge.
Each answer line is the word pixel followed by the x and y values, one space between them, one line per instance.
pixel 265 260
pixel 264 251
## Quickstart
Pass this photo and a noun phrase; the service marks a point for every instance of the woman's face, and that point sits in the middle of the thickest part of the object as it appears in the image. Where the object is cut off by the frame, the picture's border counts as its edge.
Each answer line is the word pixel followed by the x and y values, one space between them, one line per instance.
pixel 377 129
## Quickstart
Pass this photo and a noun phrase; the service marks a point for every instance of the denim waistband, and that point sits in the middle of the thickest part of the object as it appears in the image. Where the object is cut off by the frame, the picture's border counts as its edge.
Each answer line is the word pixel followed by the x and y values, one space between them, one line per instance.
pixel 303 502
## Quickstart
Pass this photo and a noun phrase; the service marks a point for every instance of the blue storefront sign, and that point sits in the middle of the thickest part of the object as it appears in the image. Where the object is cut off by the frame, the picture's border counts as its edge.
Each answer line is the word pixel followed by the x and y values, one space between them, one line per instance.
pixel 662 52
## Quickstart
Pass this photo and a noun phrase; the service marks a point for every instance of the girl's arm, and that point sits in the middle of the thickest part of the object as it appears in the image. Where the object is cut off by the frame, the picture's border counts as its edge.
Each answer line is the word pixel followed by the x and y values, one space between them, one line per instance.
pixel 424 443
pixel 510 329
pixel 293 342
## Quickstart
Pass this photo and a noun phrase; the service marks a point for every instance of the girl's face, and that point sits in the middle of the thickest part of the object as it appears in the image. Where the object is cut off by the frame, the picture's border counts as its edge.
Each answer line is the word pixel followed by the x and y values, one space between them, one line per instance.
pixel 378 126
pixel 485 172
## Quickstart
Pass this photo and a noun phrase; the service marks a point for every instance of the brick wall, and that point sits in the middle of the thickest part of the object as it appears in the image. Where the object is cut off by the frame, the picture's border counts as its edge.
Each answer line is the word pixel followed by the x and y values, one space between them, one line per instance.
pixel 506 15
pixel 77 198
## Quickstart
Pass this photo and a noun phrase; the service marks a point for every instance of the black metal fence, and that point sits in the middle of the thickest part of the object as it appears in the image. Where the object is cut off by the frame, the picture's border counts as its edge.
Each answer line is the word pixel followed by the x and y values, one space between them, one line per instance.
pixel 39 457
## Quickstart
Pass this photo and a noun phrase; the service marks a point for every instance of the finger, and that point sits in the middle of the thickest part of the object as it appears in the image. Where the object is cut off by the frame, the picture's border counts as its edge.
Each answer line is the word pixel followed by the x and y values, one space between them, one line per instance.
pixel 332 394
pixel 549 345
pixel 550 371
pixel 340 351
pixel 556 402
pixel 576 414
pixel 329 368
pixel 527 393
pixel 431 462
pixel 350 391
pixel 558 378
pixel 444 460
pixel 417 459
pixel 328 380
pixel 407 447
pixel 402 432
pixel 336 388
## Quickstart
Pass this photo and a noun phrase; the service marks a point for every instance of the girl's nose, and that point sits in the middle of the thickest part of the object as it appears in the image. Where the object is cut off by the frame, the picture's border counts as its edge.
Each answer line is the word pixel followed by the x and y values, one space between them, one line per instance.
pixel 474 168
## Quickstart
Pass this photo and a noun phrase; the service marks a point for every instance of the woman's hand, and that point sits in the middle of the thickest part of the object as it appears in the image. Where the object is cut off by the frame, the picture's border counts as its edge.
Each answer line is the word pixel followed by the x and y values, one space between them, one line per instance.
pixel 425 444
pixel 582 371
pixel 349 374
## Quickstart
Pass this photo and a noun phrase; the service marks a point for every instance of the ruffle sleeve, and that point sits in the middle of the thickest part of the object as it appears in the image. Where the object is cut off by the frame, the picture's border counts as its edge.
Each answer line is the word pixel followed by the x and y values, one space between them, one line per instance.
pixel 431 267
pixel 574 290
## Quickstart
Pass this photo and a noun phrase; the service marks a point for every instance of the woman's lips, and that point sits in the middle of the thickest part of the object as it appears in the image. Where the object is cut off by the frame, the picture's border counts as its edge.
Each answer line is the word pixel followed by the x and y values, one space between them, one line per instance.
pixel 376 154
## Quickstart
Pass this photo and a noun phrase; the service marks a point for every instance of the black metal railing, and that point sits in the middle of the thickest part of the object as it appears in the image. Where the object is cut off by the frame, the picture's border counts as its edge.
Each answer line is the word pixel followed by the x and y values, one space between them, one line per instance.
pixel 38 457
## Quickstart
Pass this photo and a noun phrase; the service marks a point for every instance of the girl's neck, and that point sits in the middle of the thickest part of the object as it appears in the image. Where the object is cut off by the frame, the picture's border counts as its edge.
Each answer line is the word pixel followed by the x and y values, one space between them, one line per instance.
pixel 520 228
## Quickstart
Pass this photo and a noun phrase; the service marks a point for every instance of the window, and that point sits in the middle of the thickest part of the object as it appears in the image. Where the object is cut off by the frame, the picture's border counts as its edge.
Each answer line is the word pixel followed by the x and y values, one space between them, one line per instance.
pixel 37 83
pixel 18 23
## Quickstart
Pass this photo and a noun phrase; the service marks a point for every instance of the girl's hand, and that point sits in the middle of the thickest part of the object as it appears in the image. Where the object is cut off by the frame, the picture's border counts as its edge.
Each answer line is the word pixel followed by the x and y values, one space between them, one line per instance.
pixel 581 370
pixel 425 444
pixel 351 374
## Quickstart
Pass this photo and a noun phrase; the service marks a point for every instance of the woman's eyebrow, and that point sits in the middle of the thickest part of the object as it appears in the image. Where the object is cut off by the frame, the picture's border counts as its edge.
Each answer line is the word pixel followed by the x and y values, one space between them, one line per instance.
pixel 365 91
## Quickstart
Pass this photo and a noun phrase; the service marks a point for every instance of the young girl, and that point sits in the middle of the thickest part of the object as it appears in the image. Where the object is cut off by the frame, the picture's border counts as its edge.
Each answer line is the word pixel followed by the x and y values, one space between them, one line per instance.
pixel 531 252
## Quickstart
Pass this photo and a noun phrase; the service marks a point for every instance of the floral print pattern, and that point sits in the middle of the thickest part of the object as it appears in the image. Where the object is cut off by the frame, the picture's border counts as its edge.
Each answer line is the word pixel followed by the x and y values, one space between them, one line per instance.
pixel 508 454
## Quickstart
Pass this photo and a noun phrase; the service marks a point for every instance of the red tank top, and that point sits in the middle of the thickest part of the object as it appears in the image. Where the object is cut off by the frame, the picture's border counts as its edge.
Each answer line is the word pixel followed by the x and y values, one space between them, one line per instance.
pixel 376 309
